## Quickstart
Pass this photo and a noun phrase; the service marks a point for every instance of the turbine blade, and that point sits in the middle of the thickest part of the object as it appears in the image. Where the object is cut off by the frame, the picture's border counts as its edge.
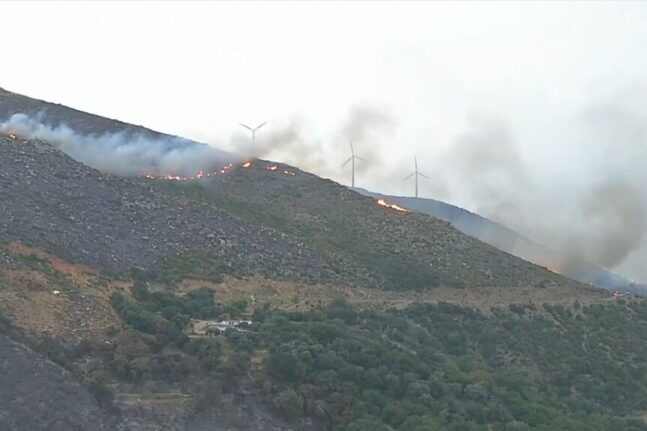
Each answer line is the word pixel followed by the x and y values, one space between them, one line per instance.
pixel 361 158
pixel 247 127
pixel 423 175
pixel 352 151
pixel 258 127
pixel 409 176
pixel 346 162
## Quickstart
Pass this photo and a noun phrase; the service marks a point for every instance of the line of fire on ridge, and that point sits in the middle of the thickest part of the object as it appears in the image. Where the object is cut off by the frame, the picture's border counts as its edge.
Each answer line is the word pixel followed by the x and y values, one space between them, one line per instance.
pixel 248 164
pixel 222 171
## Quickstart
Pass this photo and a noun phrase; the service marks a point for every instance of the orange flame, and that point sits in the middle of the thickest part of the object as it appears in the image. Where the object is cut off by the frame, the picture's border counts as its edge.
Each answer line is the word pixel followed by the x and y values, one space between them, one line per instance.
pixel 198 176
pixel 274 168
pixel 201 174
pixel 386 204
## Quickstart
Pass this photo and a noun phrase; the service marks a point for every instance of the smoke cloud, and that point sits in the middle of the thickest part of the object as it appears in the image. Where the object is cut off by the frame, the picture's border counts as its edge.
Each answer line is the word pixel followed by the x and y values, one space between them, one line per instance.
pixel 289 143
pixel 593 211
pixel 369 128
pixel 488 160
pixel 122 153
pixel 596 215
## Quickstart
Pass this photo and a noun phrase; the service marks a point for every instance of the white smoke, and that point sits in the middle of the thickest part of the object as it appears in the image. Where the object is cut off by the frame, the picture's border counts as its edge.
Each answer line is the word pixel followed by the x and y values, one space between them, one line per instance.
pixel 596 216
pixel 370 129
pixel 121 153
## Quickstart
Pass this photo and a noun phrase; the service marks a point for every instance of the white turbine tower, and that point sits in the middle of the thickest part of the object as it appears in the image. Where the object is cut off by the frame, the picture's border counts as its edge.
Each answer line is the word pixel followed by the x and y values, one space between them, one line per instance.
pixel 416 173
pixel 253 130
pixel 352 160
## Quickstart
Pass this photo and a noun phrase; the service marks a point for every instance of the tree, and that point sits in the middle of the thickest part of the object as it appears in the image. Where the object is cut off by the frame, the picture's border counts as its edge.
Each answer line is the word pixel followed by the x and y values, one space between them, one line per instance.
pixel 368 423
pixel 284 366
pixel 288 402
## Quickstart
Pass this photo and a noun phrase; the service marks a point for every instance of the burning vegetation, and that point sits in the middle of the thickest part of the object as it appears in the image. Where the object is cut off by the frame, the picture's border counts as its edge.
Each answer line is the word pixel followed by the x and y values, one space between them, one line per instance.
pixel 273 168
pixel 383 203
pixel 199 175
pixel 9 135
pixel 223 171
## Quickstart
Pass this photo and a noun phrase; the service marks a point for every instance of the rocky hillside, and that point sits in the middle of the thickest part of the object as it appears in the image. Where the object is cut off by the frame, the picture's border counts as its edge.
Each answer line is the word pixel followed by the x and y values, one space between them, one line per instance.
pixel 509 241
pixel 500 237
pixel 252 221
pixel 336 235
pixel 115 224
pixel 396 249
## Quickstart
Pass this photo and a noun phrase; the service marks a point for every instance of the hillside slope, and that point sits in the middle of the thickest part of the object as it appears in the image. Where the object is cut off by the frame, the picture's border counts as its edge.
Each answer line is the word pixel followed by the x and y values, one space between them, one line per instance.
pixel 508 240
pixel 252 221
pixel 37 394
pixel 399 249
pixel 115 224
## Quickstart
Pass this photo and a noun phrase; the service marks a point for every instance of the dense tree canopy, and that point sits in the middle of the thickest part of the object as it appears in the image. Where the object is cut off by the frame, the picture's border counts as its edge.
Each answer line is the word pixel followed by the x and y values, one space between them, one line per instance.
pixel 427 367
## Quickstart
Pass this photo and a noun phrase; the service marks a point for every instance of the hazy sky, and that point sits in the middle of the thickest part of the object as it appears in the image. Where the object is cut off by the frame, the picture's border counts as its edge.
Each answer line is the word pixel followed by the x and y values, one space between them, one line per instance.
pixel 534 95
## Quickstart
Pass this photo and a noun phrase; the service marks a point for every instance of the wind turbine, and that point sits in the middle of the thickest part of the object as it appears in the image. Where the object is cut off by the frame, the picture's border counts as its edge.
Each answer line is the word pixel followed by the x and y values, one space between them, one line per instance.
pixel 352 160
pixel 253 129
pixel 416 173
